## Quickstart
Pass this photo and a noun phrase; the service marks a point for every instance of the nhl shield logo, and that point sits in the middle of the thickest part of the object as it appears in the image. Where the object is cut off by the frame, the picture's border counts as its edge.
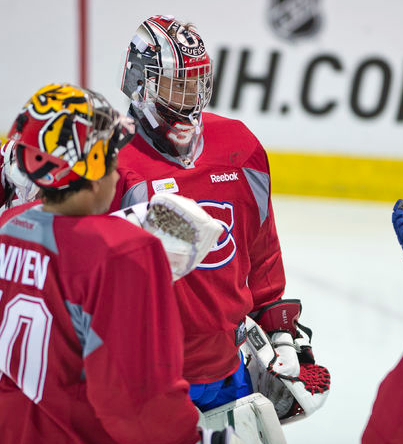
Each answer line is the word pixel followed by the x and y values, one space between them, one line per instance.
pixel 292 19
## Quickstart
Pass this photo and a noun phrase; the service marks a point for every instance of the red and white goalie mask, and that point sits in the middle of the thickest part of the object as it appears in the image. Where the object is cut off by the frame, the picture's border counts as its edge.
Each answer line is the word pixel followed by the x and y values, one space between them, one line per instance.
pixel 168 77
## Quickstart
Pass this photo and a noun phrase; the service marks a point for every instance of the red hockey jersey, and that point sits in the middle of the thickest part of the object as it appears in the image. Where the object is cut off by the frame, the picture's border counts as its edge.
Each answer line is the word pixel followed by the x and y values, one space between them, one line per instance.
pixel 385 425
pixel 91 344
pixel 229 177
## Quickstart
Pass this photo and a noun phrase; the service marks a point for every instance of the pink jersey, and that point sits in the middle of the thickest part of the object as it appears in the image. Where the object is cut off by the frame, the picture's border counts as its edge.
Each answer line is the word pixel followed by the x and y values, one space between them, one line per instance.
pixel 385 425
pixel 91 344
pixel 230 179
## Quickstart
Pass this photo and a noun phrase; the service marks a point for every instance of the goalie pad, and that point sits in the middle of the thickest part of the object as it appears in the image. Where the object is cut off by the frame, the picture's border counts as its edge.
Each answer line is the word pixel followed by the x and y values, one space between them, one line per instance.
pixel 295 389
pixel 253 417
pixel 226 436
pixel 186 231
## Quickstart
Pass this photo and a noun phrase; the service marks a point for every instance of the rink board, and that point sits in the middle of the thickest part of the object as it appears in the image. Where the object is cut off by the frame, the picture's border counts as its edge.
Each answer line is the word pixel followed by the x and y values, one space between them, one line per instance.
pixel 336 176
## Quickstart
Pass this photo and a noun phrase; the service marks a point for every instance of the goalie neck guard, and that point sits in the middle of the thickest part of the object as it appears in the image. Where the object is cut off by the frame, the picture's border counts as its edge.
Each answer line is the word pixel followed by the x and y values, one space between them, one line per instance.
pixel 168 76
pixel 65 133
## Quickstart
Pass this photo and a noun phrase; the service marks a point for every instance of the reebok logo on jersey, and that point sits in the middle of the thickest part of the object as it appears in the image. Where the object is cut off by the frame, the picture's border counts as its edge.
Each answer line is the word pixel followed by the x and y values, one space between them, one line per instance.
pixel 22 223
pixel 224 177
pixel 168 185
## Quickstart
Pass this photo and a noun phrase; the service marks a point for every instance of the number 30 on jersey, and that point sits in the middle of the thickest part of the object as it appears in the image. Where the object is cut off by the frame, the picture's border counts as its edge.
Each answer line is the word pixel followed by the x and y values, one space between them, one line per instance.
pixel 24 343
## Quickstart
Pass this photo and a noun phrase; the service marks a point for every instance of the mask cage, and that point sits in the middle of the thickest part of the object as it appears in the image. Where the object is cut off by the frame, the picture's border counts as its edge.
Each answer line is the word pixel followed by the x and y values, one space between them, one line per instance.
pixel 184 91
pixel 102 120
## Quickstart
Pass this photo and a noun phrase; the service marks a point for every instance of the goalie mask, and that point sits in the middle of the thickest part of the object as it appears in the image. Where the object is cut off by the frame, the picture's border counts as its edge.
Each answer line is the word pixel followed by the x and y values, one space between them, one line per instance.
pixel 168 76
pixel 65 133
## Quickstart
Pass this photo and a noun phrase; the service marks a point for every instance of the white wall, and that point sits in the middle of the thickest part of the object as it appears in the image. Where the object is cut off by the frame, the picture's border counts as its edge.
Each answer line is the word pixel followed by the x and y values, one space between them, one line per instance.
pixel 39 45
pixel 38 41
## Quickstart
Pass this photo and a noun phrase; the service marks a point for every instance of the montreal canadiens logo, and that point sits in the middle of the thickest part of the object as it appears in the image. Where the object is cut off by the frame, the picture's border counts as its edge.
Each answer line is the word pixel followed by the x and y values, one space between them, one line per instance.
pixel 224 251
pixel 189 42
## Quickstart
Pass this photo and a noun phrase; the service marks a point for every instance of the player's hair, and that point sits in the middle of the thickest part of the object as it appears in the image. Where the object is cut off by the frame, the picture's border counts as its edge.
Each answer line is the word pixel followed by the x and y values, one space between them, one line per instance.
pixel 190 26
pixel 57 196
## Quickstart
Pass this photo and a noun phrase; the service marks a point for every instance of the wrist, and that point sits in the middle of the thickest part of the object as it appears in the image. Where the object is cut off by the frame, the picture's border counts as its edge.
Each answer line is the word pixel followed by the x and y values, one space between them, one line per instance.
pixel 280 316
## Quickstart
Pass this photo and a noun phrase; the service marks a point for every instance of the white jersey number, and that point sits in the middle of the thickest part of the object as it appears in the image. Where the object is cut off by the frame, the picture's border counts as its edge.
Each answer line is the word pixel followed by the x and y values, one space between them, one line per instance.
pixel 28 320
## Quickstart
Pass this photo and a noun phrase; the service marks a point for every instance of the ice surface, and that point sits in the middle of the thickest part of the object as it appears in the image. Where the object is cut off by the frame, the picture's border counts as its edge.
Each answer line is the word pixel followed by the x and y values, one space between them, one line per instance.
pixel 342 259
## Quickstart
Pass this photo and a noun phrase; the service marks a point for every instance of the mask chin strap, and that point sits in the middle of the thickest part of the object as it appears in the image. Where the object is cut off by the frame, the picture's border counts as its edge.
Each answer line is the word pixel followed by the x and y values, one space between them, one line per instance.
pixel 136 96
pixel 195 123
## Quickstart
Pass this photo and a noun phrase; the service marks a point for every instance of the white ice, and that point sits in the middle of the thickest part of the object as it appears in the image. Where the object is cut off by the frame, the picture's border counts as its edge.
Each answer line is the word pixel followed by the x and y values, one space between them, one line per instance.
pixel 342 259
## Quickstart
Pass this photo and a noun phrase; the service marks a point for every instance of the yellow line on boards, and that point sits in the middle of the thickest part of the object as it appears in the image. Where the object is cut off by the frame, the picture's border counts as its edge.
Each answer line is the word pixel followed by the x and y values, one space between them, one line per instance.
pixel 305 174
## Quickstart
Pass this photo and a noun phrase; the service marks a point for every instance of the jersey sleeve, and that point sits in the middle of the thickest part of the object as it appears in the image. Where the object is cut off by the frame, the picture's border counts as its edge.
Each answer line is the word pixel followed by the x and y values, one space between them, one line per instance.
pixel 266 278
pixel 134 352
pixel 130 190
pixel 385 423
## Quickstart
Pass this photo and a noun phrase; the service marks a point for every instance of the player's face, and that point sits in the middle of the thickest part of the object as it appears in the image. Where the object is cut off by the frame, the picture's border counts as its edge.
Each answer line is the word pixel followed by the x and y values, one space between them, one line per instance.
pixel 106 190
pixel 179 93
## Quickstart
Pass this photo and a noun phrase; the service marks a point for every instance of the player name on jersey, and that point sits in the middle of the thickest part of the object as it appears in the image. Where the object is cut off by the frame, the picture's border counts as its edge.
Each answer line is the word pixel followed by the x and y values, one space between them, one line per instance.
pixel 20 264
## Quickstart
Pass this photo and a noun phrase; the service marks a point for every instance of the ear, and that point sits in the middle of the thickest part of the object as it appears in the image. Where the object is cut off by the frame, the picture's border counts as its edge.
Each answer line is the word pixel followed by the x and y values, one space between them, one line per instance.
pixel 95 186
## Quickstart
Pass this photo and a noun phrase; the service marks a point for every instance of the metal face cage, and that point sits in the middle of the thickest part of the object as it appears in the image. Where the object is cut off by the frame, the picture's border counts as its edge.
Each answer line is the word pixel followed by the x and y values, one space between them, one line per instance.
pixel 184 91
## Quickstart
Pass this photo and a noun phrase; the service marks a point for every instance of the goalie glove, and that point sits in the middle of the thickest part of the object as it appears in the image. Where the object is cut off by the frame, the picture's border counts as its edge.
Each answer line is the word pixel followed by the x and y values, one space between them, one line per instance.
pixel 186 231
pixel 397 220
pixel 226 436
pixel 15 183
pixel 296 389
pixel 280 320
